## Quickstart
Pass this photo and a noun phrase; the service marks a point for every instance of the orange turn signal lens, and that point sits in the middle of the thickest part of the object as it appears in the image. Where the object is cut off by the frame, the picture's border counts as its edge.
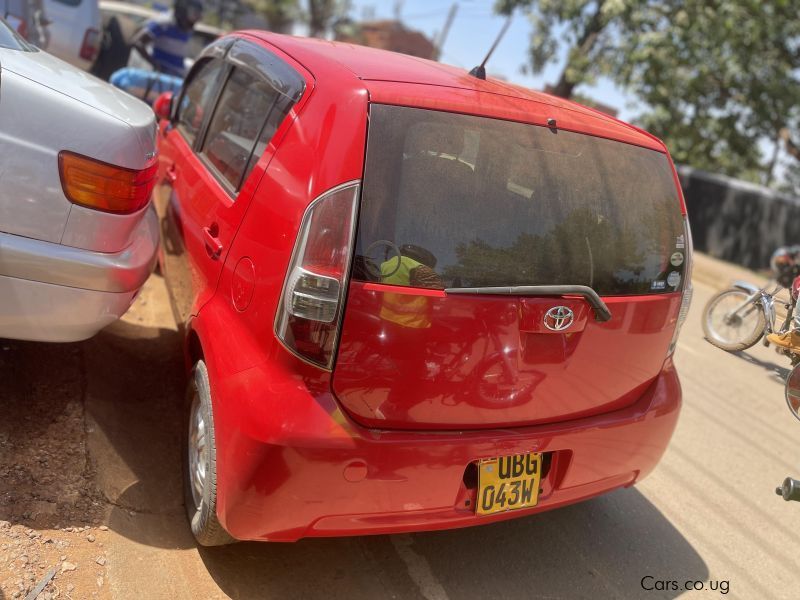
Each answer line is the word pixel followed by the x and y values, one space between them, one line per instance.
pixel 100 186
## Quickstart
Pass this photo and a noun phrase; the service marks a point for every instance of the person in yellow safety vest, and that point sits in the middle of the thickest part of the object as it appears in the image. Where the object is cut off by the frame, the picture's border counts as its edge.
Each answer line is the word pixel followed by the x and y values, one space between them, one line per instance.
pixel 409 310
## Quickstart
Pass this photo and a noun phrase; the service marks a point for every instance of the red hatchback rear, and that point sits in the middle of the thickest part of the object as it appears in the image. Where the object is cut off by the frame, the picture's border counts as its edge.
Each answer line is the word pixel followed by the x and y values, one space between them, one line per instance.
pixel 412 299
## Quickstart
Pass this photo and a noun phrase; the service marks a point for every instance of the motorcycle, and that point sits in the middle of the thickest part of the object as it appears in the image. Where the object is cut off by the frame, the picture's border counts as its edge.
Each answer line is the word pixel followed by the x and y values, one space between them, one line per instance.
pixel 738 318
pixel 790 489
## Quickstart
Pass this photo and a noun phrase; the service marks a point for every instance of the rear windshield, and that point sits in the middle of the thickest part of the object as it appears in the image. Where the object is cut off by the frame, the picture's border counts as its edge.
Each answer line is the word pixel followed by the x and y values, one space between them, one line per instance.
pixel 454 200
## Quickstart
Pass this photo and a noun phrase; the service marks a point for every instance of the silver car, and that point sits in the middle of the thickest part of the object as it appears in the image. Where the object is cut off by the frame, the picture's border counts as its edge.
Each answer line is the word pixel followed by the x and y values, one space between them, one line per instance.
pixel 78 235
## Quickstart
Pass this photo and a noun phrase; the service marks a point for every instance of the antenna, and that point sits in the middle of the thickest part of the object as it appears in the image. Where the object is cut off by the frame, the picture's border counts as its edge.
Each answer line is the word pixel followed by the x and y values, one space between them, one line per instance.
pixel 480 70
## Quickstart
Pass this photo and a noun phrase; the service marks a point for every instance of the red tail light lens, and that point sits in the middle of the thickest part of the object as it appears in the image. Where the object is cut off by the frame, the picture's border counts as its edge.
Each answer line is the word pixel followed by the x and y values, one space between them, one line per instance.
pixel 91 44
pixel 100 186
pixel 311 303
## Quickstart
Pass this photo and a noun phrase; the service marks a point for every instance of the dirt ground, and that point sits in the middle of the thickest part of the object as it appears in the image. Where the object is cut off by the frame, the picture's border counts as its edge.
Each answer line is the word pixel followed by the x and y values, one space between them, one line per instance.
pixel 65 409
pixel 49 505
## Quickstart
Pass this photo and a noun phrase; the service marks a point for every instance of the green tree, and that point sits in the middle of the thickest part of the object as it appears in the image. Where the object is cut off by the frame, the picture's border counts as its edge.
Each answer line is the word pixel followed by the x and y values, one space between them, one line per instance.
pixel 322 14
pixel 790 183
pixel 588 28
pixel 280 14
pixel 721 77
pixel 718 76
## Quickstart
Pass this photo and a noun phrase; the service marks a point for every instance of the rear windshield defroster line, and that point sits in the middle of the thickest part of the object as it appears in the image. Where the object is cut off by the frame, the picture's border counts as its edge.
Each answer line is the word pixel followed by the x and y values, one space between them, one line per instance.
pixel 458 201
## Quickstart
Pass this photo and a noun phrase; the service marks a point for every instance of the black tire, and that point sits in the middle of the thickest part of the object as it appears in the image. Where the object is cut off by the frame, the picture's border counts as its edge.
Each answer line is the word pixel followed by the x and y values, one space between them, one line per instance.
pixel 203 520
pixel 746 331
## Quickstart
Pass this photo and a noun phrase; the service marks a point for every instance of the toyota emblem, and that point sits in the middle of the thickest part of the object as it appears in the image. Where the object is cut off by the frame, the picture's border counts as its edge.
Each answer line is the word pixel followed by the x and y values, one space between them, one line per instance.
pixel 558 318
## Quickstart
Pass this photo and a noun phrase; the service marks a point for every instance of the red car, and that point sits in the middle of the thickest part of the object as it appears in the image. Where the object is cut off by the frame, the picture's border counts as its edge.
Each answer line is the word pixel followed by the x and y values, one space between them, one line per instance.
pixel 413 299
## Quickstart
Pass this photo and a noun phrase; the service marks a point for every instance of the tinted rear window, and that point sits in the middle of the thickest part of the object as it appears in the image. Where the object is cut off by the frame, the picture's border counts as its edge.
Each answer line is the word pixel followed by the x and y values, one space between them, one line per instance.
pixel 484 202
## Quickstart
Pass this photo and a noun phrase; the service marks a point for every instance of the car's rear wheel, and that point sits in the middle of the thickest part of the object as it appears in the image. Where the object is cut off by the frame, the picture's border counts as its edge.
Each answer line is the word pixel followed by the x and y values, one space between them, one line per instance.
pixel 200 462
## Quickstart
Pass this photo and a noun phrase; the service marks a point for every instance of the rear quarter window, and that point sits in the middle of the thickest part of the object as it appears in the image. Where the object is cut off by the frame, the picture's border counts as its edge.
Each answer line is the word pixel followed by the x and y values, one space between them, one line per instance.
pixel 485 202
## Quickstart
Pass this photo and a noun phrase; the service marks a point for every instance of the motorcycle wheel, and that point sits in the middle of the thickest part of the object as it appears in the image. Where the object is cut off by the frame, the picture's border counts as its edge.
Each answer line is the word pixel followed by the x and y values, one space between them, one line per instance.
pixel 733 332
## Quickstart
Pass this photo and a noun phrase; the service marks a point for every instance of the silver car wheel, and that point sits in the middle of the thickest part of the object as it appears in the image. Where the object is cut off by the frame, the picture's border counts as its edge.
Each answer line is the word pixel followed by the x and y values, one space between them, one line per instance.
pixel 198 452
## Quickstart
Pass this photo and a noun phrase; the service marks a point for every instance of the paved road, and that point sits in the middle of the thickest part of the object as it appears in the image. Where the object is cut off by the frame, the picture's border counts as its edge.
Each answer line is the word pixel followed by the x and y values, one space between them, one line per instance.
pixel 707 514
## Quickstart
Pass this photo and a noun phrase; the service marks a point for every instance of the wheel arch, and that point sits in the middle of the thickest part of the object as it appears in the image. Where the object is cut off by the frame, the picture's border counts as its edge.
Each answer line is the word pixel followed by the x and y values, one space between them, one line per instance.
pixel 194 348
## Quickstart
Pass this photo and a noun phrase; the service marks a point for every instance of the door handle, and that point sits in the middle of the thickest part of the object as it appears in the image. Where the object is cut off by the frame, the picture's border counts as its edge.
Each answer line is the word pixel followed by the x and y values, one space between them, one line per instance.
pixel 172 173
pixel 213 245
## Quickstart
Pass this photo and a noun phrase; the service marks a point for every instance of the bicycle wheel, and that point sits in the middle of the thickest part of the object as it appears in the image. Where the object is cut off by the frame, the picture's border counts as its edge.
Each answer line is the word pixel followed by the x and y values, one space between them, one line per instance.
pixel 732 331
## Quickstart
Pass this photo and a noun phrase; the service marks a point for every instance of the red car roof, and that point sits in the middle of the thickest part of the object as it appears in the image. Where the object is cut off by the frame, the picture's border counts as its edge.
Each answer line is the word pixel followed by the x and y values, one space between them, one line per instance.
pixel 393 78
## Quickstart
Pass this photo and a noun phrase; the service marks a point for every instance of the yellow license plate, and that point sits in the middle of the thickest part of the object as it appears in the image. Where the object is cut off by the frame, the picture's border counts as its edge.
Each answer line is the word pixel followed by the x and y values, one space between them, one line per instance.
pixel 508 482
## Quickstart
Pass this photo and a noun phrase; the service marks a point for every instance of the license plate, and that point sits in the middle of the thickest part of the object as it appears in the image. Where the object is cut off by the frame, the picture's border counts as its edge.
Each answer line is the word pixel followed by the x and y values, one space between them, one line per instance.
pixel 508 482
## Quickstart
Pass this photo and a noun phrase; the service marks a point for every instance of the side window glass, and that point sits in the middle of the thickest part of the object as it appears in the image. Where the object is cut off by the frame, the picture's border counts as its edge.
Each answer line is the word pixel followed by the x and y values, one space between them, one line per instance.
pixel 197 98
pixel 276 115
pixel 240 128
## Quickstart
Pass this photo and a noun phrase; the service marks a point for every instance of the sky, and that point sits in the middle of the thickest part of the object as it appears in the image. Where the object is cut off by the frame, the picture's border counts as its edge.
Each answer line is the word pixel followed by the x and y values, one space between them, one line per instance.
pixel 471 35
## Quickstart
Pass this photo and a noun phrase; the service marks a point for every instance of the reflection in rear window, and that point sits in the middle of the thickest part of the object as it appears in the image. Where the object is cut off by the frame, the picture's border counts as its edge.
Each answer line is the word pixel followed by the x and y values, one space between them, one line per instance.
pixel 474 201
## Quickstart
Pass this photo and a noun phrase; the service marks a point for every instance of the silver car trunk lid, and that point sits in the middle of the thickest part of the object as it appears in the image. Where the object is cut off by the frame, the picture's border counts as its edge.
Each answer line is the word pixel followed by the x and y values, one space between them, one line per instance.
pixel 63 78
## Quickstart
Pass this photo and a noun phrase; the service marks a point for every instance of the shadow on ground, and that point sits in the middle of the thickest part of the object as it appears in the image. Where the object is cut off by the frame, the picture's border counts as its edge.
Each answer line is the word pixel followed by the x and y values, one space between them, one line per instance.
pixel 134 418
pixel 43 467
pixel 601 548
pixel 779 372
pixel 89 425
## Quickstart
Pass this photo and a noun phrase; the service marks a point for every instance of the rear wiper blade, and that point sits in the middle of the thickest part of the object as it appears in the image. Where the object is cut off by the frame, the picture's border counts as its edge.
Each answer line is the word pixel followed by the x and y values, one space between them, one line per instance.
pixel 601 312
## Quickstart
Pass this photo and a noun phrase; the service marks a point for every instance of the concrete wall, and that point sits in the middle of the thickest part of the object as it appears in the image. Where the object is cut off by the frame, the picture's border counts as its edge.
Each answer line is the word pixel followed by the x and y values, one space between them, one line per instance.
pixel 736 221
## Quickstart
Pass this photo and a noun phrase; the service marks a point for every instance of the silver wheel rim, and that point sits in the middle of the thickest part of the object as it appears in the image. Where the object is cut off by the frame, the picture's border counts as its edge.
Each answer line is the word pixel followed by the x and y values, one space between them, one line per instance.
pixel 732 331
pixel 198 452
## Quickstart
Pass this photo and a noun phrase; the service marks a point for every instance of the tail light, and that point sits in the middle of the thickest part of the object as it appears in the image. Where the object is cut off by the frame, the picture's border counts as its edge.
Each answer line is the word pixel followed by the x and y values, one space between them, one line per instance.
pixel 100 186
pixel 91 44
pixel 310 310
pixel 686 299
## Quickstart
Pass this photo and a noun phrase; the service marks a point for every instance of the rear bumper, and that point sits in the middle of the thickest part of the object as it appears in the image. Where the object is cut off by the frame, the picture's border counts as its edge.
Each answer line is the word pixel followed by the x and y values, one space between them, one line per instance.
pixel 322 475
pixel 55 293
